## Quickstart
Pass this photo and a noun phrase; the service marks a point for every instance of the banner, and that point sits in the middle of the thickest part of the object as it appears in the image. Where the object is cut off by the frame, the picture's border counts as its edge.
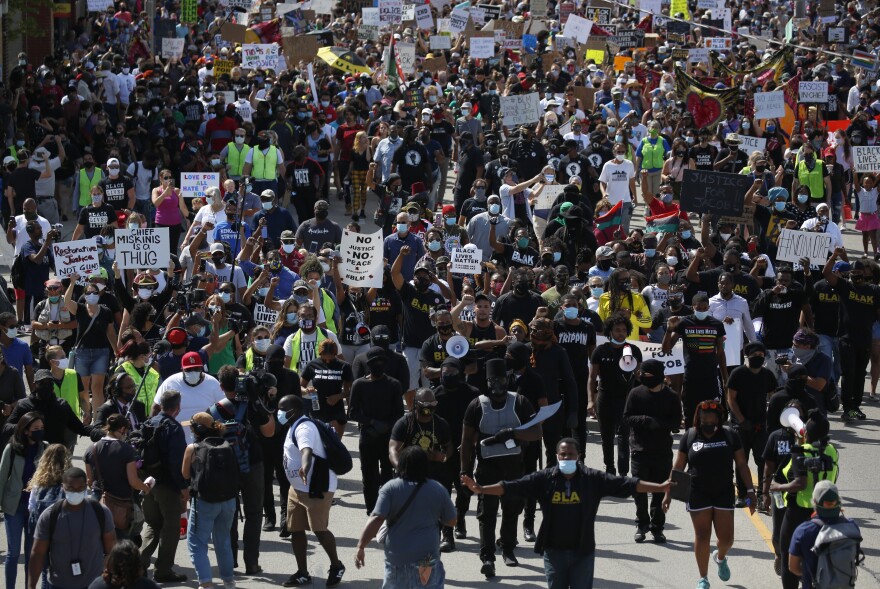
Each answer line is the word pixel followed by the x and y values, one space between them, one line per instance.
pixel 673 361
pixel 194 184
pixel 750 144
pixel 223 66
pixel 521 109
pixel 172 47
pixel 143 248
pixel 263 315
pixel 718 193
pixel 769 105
pixel 866 158
pixel 99 5
pixel 813 92
pixel 707 105
pixel 79 256
pixel 793 245
pixel 467 262
pixel 733 342
pixel 362 258
pixel 259 55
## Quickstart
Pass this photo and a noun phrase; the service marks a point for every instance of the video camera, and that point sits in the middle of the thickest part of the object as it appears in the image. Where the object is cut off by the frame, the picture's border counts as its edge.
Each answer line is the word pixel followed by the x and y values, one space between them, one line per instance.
pixel 815 459
pixel 188 295
pixel 249 386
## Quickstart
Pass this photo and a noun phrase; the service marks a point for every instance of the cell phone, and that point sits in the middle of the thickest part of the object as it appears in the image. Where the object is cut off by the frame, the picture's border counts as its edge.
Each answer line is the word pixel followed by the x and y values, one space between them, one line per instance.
pixel 313 247
pixel 752 246
pixel 264 233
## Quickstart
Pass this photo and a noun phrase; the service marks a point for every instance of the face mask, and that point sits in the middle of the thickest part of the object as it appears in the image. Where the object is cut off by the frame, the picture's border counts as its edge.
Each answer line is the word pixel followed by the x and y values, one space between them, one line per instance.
pixel 62 363
pixel 203 331
pixel 672 260
pixel 480 193
pixel 307 324
pixel 261 344
pixel 725 236
pixel 145 293
pixel 771 128
pixel 192 377
pixel 666 197
pixel 321 214
pixel 570 312
pixel 263 291
pixel 617 342
pixel 651 380
pixel 686 234
pixel 690 140
pixel 603 264
pixel 779 205
pixel 282 417
pixel 803 355
pixel 549 177
pixel 494 209
pixel 267 206
pixel 376 368
pixel 557 256
pixel 567 466
pixel 664 278
pixel 291 318
pixel 701 314
pixel 239 140
pixel 434 245
pixel 451 381
pixel 596 291
pixel 803 198
pixel 225 297
pixel 755 361
pixel 402 228
pixel 708 429
pixel 54 299
pixel 96 199
pixel 650 253
pixel 75 498
pixel 92 299
pixel 522 242
pixel 619 156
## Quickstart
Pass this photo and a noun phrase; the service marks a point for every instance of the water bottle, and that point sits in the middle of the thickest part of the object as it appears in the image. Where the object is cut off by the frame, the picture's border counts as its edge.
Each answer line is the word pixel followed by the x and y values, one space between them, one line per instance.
pixel 778 499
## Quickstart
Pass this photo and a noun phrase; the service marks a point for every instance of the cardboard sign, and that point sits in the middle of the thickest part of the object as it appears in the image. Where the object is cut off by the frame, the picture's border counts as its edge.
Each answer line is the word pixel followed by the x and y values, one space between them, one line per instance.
pixel 577 28
pixel 194 184
pixel 733 342
pixel 482 47
pixel 521 109
pixel 493 11
pixel 813 92
pixel 222 66
pixel 440 42
pixel 362 260
pixel 698 55
pixel 837 35
pixel 546 199
pixel 424 20
pixel 143 248
pixel 629 38
pixel 323 6
pixel 79 257
pixel 263 315
pixel 390 12
pixel 406 56
pixel 673 361
pixel 478 15
pixel 435 64
pixel 370 17
pixel 467 262
pixel 233 33
pixel 793 245
pixel 458 22
pixel 538 8
pixel 300 48
pixel 259 56
pixel 601 16
pixel 172 47
pixel 750 144
pixel 866 158
pixel 718 193
pixel 747 218
pixel 769 105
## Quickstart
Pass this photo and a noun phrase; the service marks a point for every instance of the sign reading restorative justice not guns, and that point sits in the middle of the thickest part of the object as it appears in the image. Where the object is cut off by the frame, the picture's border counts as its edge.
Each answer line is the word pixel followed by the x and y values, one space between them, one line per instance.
pixel 79 256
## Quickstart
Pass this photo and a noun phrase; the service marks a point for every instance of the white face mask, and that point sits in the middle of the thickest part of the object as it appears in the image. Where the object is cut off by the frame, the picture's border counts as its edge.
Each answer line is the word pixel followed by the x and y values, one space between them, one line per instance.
pixel 145 293
pixel 261 344
pixel 239 140
pixel 725 236
pixel 288 247
pixel 619 157
pixel 192 377
pixel 62 363
pixel 75 498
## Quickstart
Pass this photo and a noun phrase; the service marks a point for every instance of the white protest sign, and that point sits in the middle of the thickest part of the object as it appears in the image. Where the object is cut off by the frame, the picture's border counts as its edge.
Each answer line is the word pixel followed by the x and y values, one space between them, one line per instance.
pixel 577 27
pixel 769 105
pixel 193 184
pixel 440 42
pixel 423 17
pixel 733 342
pixel 409 12
pixel 263 315
pixel 521 109
pixel 76 256
pixel 143 248
pixel 406 56
pixel 370 17
pixel 651 6
pixel 750 144
pixel 323 6
pixel 866 158
pixel 467 262
pixel 547 198
pixel 673 361
pixel 259 55
pixel 482 47
pixel 698 55
pixel 362 260
pixel 813 92
pixel 99 5
pixel 718 43
pixel 478 15
pixel 390 12
pixel 710 4
pixel 794 245
pixel 458 21
pixel 172 47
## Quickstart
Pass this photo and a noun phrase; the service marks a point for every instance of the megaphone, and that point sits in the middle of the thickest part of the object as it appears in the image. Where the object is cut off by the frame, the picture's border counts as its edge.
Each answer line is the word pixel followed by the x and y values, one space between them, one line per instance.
pixel 627 362
pixel 457 346
pixel 791 418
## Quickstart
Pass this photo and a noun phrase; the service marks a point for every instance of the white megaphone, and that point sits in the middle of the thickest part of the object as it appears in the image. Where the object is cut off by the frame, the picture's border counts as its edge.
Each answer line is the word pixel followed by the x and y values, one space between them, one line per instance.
pixel 791 418
pixel 627 362
pixel 457 346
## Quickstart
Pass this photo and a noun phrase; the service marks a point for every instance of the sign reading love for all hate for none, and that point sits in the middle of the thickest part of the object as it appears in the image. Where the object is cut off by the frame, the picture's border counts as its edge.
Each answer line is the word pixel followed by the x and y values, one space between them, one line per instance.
pixel 194 184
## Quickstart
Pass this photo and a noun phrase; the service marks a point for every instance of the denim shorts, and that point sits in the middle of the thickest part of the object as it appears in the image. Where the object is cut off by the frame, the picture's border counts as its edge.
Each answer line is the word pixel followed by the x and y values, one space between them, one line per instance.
pixel 91 361
pixel 875 330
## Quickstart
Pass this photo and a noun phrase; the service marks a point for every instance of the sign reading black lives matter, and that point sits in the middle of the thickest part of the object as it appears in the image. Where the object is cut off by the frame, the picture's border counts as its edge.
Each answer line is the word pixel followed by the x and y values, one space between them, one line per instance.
pixel 714 192
pixel 143 248
pixel 362 260
pixel 866 158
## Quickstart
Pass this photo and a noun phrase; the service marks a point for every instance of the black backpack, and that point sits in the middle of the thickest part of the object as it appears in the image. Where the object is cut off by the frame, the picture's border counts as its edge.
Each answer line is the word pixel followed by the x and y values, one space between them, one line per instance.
pixel 16 272
pixel 146 442
pixel 215 471
pixel 338 457
pixel 236 433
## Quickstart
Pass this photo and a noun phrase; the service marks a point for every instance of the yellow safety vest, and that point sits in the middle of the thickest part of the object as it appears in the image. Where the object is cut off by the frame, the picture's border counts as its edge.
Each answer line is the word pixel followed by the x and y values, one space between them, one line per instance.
pixel 147 393
pixel 652 154
pixel 68 390
pixel 14 153
pixel 295 344
pixel 329 308
pixel 265 166
pixel 86 185
pixel 812 179
pixel 235 158
pixel 804 498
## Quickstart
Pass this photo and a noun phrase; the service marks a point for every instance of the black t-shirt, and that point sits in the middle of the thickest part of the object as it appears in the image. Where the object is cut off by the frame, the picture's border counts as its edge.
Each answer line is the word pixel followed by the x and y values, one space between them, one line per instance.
pixel 614 383
pixel 416 314
pixel 376 400
pixel 93 219
pixel 732 167
pixel 744 284
pixel 752 391
pixel 452 405
pixel 781 314
pixel 469 160
pixel 410 160
pixel 327 380
pixel 473 207
pixel 579 166
pixel 116 191
pixel 699 339
pixel 564 515
pixel 859 310
pixel 96 336
pixel 112 458
pixel 432 354
pixel 442 132
pixel 385 310
pixel 575 340
pixel 509 308
pixel 434 435
pixel 710 460
pixel 517 258
pixel 825 303
pixel 778 449
pixel 704 157
pixel 24 182
pixel 303 179
pixel 492 169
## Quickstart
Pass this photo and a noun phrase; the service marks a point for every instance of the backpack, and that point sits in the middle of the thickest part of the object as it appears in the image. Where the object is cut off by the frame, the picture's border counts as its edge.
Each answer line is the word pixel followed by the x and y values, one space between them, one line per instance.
pixel 215 470
pixel 236 432
pixel 146 442
pixel 16 272
pixel 338 457
pixel 55 513
pixel 838 553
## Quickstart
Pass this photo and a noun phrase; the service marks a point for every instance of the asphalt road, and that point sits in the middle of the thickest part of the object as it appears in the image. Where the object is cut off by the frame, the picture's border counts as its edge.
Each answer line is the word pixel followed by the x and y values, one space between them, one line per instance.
pixel 620 562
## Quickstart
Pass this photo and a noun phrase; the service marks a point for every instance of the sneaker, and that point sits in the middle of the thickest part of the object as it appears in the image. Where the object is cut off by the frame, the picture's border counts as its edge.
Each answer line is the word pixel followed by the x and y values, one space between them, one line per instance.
pixel 298 579
pixel 639 536
pixel 447 541
pixel 169 577
pixel 284 532
pixel 740 502
pixel 509 558
pixel 860 414
pixel 334 575
pixel 872 397
pixel 269 525
pixel 488 569
pixel 723 568
pixel 255 570
pixel 703 583
pixel 659 537
pixel 529 533
pixel 460 530
pixel 849 416
pixel 777 566
pixel 229 584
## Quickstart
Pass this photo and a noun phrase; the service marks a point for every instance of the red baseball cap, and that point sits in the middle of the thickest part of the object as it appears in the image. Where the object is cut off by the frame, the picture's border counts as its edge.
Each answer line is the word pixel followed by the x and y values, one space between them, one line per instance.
pixel 176 336
pixel 191 360
pixel 448 209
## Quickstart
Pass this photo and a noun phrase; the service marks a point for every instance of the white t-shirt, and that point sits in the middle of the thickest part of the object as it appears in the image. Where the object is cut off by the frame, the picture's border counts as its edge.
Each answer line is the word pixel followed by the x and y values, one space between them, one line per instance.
pixel 126 83
pixel 205 213
pixel 21 234
pixel 244 109
pixel 307 351
pixel 239 279
pixel 307 436
pixel 193 399
pixel 616 177
pixel 45 186
pixel 142 179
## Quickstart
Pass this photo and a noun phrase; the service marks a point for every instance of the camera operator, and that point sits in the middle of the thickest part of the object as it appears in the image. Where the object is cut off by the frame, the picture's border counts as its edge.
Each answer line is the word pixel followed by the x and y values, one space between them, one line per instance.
pixel 812 461
pixel 244 414
pixel 37 260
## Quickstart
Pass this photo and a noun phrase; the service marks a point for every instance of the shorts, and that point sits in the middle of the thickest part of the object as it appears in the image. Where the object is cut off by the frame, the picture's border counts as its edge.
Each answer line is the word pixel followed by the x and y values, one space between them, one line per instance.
pixel 307 513
pixel 19 294
pixel 701 500
pixel 332 413
pixel 875 330
pixel 91 361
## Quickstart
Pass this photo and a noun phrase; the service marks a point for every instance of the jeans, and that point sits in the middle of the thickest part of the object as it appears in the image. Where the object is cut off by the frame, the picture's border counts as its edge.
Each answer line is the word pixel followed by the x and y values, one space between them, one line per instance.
pixel 91 361
pixel 16 527
pixel 406 576
pixel 830 346
pixel 567 569
pixel 836 206
pixel 252 507
pixel 376 468
pixel 853 365
pixel 210 521
pixel 654 469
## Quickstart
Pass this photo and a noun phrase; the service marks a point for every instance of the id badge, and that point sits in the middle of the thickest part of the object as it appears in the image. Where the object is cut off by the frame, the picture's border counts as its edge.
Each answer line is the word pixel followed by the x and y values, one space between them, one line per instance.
pixel 75 568
pixel 510 444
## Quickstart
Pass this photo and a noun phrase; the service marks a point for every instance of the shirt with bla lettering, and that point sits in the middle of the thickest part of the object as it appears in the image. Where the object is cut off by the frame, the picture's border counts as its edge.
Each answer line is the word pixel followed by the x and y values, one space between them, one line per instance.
pixel 858 310
pixel 416 314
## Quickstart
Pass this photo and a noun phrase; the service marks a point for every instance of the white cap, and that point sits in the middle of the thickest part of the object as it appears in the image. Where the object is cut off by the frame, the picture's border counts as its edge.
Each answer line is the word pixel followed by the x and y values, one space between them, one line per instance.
pixel 112 162
pixel 217 247
pixel 9 160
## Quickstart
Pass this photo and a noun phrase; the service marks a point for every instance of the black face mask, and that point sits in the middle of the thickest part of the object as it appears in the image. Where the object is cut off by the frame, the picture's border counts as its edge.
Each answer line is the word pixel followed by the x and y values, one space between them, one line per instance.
pixel 321 214
pixel 515 364
pixel 497 388
pixel 675 302
pixel 651 380
pixel 262 143
pixel 521 288
pixel 796 385
pixel 755 361
pixel 603 264
pixel 708 429
pixel 422 284
pixel 730 267
pixel 376 368
pixel 451 381
pixel 46 389
pixel 444 329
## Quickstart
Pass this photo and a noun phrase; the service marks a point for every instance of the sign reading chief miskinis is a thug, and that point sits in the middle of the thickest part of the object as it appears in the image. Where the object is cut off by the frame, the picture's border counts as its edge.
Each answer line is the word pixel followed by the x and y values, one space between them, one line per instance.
pixel 143 248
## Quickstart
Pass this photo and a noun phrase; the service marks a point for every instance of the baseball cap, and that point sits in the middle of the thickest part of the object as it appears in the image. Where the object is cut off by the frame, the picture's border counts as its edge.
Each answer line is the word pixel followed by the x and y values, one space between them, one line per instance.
pixel 299 284
pixel 9 160
pixel 112 162
pixel 42 374
pixel 448 209
pixel 841 266
pixel 52 282
pixel 826 499
pixel 287 234
pixel 191 360
pixel 604 252
pixel 217 247
pixel 176 336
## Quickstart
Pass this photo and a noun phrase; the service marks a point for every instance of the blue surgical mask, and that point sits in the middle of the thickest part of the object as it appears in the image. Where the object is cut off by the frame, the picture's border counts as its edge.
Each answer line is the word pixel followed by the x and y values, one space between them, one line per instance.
pixel 202 331
pixel 282 417
pixel 567 466
pixel 267 205
pixel 686 234
pixel 291 317
pixel 617 342
pixel 450 221
pixel 263 291
pixel 802 198
pixel 597 291
pixel 494 209
pixel 225 297
pixel 402 228
pixel 523 242
pixel 780 205
pixel 434 245
pixel 701 314
pixel 570 312
pixel 650 253
pixel 557 256
pixel 92 299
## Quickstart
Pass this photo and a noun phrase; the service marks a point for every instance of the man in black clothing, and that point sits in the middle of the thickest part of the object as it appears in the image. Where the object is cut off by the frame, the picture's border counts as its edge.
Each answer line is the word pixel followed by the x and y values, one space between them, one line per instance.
pixel 575 163
pixel 578 338
pixel 795 389
pixel 529 152
pixel 470 168
pixel 376 404
pixel 433 351
pixel 781 309
pixel 495 166
pixel 652 411
pixel 58 416
pixel 411 162
pixel 122 401
pixel 521 303
pixel 395 363
pixel 744 284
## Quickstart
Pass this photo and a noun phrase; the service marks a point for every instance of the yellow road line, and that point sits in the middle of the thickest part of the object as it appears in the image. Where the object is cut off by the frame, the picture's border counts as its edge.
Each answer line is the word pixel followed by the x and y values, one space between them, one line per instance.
pixel 756 520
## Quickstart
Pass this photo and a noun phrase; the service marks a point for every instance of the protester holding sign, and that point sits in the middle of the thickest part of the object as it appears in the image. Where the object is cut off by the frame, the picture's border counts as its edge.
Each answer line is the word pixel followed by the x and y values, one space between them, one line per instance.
pixel 170 208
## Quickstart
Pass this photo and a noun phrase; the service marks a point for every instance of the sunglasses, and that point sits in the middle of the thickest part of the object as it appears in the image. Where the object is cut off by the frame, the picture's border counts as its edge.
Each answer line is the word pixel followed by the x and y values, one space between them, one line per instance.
pixel 166 177
pixel 710 405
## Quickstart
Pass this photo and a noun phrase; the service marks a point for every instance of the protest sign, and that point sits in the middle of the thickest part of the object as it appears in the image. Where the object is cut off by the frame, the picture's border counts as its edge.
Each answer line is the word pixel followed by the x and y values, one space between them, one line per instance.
pixel 629 38
pixel 769 105
pixel 259 55
pixel 493 11
pixel 263 315
pixel 435 64
pixel 482 47
pixel 193 184
pixel 750 144
pixel 577 28
pixel 172 47
pixel 546 199
pixel 718 193
pixel 423 17
pixel 222 66
pixel 409 12
pixel 323 6
pixel 99 5
pixel 390 12
pixel 79 256
pixel 600 16
pixel 698 55
pixel 673 361
pixel 478 15
pixel 651 6
pixel 458 21
pixel 837 35
pixel 406 56
pixel 440 42
pixel 718 43
pixel 866 158
pixel 793 245
pixel 240 5
pixel 710 4
pixel 143 248
pixel 747 218
pixel 233 33
pixel 538 8
pixel 467 262
pixel 370 17
pixel 677 31
pixel 300 48
pixel 362 260
pixel 521 109
pixel 813 92
pixel 733 342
